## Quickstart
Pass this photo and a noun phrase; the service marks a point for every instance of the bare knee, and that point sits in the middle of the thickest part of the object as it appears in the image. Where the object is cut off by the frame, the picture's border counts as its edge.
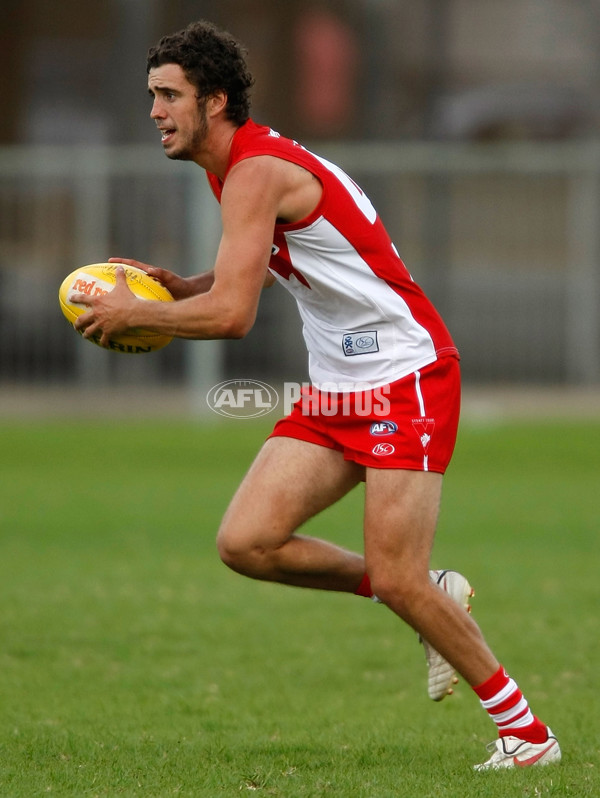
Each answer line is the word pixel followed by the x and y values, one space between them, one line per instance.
pixel 400 589
pixel 243 554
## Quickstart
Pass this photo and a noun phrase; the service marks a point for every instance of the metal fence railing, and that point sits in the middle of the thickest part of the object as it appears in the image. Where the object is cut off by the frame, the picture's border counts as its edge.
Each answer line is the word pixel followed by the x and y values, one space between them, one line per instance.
pixel 504 238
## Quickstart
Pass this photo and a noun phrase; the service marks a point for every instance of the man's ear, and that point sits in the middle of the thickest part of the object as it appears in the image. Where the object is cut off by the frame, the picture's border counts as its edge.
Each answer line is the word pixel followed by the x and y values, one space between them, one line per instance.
pixel 216 103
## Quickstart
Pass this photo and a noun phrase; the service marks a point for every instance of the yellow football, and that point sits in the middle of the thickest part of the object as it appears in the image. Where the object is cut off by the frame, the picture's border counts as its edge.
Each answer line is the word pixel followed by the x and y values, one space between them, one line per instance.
pixel 100 278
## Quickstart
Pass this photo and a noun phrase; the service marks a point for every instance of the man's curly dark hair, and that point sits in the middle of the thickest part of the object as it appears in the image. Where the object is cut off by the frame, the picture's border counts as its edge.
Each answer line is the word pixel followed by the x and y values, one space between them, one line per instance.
pixel 213 60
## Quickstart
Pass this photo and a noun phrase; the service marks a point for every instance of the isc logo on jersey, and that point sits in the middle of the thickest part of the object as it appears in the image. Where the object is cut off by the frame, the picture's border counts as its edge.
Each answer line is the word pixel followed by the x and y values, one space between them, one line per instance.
pixel 383 428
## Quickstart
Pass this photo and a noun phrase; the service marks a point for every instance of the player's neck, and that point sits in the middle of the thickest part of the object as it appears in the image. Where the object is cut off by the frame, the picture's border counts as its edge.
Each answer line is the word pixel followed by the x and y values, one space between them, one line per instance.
pixel 216 150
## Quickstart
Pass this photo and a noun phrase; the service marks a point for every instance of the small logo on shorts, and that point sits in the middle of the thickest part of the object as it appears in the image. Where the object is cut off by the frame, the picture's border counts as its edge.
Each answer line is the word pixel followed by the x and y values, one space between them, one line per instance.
pixel 360 343
pixel 383 449
pixel 383 428
pixel 424 428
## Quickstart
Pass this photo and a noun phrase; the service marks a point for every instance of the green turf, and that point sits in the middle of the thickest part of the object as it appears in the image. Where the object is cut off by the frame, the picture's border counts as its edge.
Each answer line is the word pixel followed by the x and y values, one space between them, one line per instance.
pixel 132 663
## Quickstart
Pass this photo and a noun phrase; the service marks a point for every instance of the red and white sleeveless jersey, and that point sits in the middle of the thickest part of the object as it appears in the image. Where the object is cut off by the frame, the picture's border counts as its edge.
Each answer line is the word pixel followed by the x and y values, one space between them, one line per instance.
pixel 366 322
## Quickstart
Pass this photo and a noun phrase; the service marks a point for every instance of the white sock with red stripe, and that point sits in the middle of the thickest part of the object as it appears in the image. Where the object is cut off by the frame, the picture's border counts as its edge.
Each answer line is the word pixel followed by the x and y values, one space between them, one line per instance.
pixel 504 702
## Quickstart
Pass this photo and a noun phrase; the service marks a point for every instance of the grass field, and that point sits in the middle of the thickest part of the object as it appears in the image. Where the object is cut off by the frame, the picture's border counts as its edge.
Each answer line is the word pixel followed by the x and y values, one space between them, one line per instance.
pixel 134 664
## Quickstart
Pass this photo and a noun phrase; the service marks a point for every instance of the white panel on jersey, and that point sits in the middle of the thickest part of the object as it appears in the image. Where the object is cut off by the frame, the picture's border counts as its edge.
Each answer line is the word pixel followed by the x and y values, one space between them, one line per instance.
pixel 346 298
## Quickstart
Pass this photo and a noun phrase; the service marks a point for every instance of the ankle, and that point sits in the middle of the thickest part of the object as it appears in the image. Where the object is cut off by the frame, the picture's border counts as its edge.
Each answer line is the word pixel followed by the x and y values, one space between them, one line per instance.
pixel 364 589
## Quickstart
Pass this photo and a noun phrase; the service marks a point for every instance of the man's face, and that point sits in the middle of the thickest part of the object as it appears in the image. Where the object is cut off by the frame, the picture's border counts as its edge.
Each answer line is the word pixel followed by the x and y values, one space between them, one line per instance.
pixel 179 115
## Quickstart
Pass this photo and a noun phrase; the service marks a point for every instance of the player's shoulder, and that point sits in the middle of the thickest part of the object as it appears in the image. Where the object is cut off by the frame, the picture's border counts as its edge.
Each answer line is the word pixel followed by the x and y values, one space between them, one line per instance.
pixel 256 170
pixel 251 132
pixel 254 140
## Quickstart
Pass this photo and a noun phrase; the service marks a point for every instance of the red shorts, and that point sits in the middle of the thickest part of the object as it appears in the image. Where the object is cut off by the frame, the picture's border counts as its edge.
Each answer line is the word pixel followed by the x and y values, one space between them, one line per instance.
pixel 410 423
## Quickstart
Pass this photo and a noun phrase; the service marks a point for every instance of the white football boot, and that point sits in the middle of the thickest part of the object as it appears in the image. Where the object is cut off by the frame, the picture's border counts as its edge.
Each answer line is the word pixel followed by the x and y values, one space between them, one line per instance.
pixel 441 674
pixel 511 752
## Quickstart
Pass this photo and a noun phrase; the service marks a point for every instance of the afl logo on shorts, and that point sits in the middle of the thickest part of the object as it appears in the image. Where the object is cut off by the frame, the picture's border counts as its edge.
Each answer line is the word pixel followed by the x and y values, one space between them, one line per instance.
pixel 383 449
pixel 383 428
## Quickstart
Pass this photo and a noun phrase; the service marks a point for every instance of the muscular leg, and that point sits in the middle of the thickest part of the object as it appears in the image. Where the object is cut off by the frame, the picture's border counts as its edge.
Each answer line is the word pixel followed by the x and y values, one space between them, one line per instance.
pixel 401 511
pixel 289 482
